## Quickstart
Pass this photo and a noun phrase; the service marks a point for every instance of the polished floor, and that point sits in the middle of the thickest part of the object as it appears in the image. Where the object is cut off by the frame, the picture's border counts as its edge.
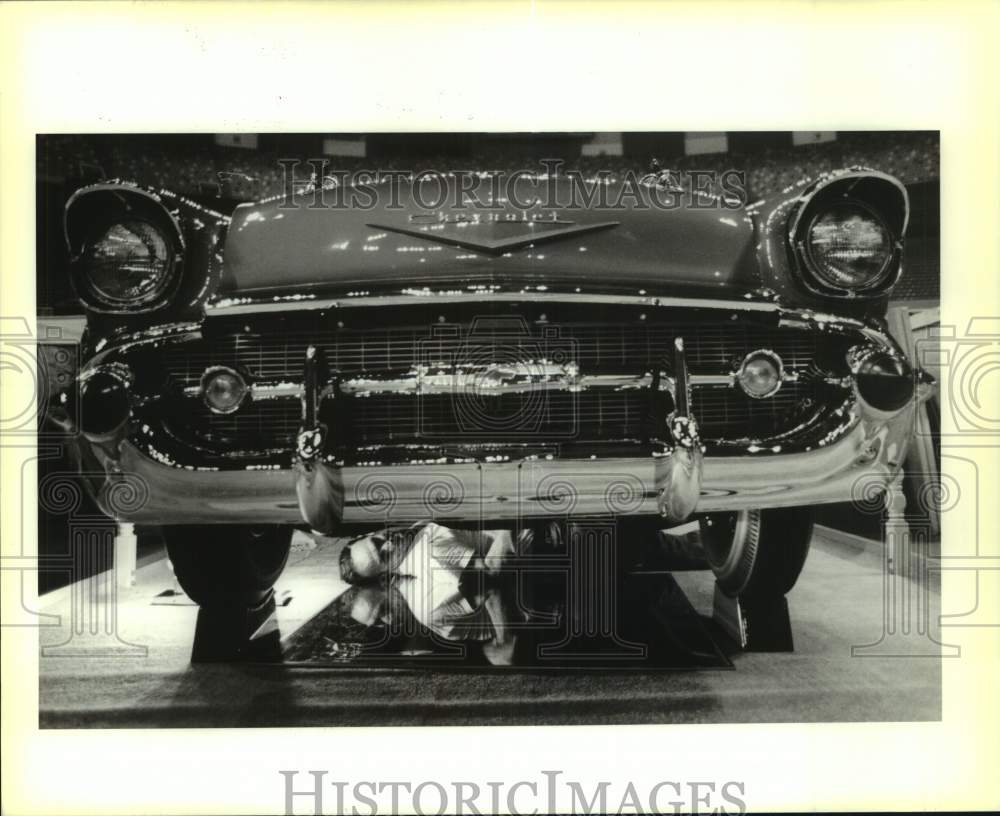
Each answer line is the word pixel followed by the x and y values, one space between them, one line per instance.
pixel 128 664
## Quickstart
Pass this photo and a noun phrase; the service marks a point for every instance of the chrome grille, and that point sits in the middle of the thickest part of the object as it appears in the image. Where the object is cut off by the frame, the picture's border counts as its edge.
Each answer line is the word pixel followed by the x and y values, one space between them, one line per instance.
pixel 594 414
pixel 712 348
pixel 557 417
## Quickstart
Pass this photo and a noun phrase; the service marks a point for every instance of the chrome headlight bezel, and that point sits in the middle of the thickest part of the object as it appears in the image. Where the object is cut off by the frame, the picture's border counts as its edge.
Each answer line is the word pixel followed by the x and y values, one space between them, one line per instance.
pixel 881 197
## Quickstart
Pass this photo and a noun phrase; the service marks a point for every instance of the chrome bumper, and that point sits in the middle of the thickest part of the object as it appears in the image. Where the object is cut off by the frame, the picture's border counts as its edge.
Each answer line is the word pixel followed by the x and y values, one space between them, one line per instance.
pixel 854 462
pixel 856 467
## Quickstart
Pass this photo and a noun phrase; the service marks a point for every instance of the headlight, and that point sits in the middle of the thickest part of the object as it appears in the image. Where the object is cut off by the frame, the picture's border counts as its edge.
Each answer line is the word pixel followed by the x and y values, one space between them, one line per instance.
pixel 129 266
pixel 849 248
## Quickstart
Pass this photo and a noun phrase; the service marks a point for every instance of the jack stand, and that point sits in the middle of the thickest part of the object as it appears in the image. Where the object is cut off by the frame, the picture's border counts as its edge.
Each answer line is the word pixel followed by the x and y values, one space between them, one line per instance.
pixel 126 544
pixel 757 626
pixel 236 633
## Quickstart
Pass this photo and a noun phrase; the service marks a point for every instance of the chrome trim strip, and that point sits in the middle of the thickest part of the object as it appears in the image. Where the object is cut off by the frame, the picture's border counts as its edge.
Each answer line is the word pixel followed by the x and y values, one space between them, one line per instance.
pixel 451 383
pixel 117 346
pixel 787 318
pixel 233 306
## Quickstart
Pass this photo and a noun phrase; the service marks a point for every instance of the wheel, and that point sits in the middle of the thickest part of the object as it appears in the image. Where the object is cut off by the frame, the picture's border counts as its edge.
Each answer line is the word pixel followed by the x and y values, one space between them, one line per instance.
pixel 757 553
pixel 227 566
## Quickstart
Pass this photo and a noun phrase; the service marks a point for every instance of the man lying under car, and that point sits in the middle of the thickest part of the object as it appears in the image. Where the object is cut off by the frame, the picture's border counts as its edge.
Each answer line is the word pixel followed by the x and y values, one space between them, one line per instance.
pixel 449 579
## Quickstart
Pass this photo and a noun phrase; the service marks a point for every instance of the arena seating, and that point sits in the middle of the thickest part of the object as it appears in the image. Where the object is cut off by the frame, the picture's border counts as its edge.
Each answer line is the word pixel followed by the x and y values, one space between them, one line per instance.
pixel 912 157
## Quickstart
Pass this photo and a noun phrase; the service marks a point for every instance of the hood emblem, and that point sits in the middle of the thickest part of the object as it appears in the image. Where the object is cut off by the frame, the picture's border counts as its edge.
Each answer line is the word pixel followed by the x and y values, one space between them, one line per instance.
pixel 493 236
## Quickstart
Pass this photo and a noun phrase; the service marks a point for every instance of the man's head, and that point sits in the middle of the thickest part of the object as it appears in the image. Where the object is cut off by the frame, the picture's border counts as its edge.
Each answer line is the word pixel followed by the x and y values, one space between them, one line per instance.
pixel 361 560
pixel 368 605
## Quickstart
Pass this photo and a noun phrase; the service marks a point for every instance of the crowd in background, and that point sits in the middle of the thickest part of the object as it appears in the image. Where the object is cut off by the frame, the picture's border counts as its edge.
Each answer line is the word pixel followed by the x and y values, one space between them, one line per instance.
pixel 912 157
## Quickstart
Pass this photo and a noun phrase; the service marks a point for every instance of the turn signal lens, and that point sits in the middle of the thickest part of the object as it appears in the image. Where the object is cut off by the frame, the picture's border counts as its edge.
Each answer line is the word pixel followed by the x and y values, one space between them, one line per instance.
pixel 884 382
pixel 223 389
pixel 760 374
pixel 104 401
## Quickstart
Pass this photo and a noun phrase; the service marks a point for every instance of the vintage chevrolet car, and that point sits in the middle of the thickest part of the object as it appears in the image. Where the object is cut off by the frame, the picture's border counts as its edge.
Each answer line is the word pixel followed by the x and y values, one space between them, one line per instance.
pixel 288 365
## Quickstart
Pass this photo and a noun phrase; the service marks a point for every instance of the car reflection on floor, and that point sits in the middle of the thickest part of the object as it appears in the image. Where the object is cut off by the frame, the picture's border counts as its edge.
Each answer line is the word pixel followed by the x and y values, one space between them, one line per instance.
pixel 656 628
pixel 580 603
pixel 142 675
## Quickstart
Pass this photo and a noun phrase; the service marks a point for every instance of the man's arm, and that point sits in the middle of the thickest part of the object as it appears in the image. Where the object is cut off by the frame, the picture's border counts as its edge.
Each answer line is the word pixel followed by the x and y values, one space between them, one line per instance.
pixel 494 608
pixel 499 651
pixel 499 549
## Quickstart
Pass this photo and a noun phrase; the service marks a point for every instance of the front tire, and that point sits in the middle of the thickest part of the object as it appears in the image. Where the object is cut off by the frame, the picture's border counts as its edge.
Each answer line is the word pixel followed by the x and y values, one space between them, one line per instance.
pixel 221 566
pixel 757 554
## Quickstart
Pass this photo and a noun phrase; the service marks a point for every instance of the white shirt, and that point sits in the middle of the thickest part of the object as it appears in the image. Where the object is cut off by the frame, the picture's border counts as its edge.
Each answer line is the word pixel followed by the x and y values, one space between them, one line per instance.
pixel 429 576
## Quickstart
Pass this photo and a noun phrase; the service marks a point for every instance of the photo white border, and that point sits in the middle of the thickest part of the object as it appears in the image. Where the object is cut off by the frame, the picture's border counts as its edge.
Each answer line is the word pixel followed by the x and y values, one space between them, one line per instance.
pixel 561 66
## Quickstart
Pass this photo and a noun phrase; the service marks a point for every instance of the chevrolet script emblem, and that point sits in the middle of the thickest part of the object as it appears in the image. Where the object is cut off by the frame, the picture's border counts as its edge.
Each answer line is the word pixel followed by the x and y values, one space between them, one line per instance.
pixel 495 235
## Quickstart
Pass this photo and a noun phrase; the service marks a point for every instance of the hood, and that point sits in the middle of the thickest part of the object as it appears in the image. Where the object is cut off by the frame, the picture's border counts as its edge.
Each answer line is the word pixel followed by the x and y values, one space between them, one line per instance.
pixel 382 238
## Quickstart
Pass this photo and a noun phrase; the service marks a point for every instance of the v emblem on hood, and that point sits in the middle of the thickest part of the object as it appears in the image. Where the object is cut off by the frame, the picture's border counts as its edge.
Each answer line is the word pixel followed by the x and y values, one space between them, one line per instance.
pixel 495 237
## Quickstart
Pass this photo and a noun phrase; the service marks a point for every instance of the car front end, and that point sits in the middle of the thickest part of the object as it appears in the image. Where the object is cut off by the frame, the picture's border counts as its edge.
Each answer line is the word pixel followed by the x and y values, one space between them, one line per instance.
pixel 294 363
